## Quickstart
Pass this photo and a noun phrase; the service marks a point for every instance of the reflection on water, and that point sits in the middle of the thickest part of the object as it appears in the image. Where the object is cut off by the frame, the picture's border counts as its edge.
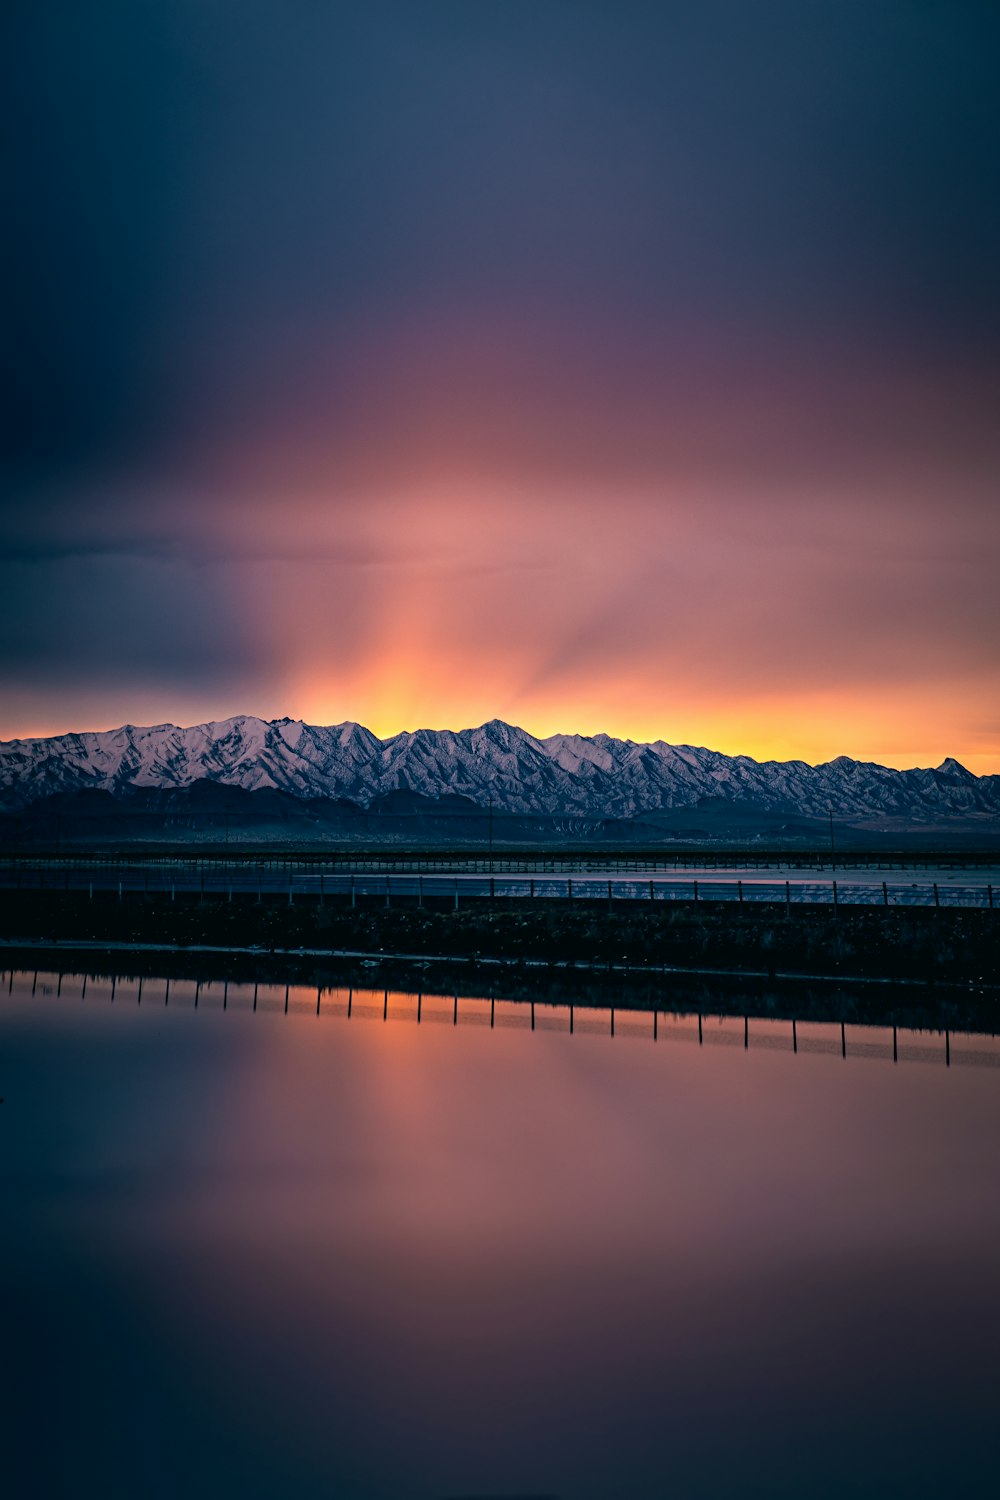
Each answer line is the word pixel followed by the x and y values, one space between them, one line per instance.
pixel 963 1047
pixel 421 1247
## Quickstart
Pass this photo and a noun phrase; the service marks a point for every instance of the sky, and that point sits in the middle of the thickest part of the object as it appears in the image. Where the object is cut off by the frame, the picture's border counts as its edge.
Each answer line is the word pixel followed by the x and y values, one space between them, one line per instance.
pixel 600 367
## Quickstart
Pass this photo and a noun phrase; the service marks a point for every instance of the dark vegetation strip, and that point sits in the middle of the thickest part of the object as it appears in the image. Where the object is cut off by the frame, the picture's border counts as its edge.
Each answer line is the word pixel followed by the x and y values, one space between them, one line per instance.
pixel 896 943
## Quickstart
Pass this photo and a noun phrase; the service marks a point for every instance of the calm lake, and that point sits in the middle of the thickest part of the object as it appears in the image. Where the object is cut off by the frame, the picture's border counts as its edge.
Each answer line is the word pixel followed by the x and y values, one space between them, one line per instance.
pixel 249 1251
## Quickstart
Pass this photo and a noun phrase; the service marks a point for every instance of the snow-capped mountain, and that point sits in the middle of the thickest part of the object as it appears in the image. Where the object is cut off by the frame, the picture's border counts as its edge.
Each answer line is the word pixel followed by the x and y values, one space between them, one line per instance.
pixel 571 775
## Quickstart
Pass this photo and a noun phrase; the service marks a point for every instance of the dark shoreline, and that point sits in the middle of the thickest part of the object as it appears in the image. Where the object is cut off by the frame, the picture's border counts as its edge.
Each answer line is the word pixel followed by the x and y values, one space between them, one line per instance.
pixel 919 945
pixel 922 969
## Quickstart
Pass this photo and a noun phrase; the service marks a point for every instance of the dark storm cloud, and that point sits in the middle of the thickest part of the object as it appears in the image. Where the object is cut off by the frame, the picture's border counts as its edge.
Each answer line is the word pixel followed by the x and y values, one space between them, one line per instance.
pixel 128 614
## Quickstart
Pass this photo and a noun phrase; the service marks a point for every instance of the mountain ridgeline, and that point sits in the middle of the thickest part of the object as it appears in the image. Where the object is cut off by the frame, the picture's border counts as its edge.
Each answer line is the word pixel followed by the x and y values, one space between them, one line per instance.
pixel 342 776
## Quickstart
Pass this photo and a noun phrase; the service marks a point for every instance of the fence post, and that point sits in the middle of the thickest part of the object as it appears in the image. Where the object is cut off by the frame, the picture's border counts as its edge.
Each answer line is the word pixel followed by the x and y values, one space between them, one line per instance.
pixel 651 896
pixel 387 899
pixel 569 889
pixel 989 893
pixel 836 902
pixel 788 898
pixel 532 887
pixel 937 900
pixel 456 893
pixel 696 890
pixel 609 895
pixel 739 885
pixel 885 894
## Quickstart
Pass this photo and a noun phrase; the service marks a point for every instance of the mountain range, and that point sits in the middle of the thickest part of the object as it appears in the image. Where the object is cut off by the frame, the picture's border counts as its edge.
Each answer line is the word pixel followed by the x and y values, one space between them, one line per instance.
pixel 563 776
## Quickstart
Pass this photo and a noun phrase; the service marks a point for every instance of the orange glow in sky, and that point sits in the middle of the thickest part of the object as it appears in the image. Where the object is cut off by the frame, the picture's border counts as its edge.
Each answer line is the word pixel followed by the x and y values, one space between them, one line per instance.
pixel 690 620
pixel 479 540
pixel 422 365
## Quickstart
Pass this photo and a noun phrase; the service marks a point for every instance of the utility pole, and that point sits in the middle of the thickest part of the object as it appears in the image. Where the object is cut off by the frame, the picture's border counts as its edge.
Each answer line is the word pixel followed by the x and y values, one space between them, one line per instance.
pixel 831 837
pixel 491 833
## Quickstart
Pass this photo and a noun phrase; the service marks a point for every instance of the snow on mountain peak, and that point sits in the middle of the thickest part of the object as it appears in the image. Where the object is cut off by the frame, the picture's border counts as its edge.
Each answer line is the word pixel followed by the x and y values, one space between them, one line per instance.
pixel 564 774
pixel 952 767
pixel 572 751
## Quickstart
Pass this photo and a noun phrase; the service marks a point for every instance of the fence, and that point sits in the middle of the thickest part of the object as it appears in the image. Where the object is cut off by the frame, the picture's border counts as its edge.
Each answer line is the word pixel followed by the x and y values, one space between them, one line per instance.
pixel 663 1026
pixel 238 881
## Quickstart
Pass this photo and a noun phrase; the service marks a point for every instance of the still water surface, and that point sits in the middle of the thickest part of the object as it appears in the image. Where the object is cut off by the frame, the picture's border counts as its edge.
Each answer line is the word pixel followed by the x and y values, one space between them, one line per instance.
pixel 266 1254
